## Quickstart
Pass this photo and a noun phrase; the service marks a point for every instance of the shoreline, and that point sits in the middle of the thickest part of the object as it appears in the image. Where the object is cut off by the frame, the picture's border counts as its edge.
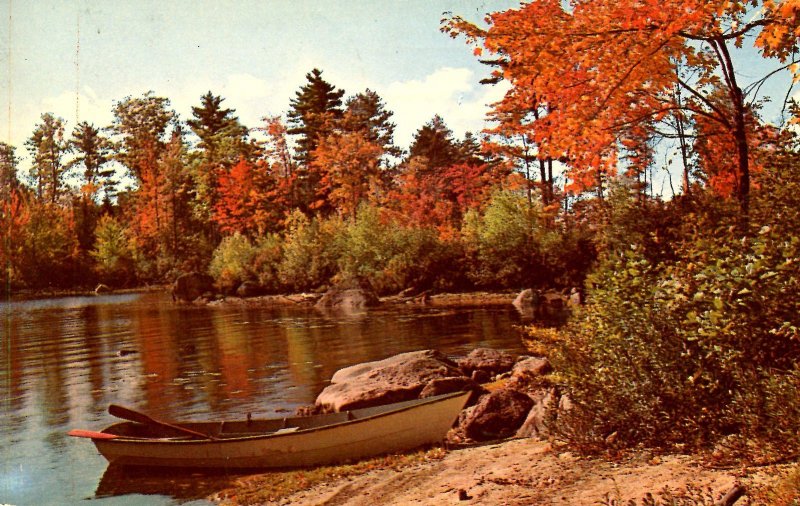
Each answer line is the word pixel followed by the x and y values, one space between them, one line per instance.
pixel 508 472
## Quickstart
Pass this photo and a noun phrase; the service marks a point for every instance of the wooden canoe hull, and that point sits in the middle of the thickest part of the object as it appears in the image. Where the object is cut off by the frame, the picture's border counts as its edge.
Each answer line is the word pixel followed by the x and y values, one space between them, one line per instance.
pixel 399 427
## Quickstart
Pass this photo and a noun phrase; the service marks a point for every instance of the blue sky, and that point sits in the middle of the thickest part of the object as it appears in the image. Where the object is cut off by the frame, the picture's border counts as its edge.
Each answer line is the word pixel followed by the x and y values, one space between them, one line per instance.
pixel 75 58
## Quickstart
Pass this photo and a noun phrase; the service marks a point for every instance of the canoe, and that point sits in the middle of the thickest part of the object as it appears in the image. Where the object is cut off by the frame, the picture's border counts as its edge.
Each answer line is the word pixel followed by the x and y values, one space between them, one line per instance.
pixel 282 442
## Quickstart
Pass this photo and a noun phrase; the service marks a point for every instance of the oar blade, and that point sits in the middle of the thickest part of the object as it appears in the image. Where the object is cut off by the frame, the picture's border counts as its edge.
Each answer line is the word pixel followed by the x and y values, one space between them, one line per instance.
pixel 91 434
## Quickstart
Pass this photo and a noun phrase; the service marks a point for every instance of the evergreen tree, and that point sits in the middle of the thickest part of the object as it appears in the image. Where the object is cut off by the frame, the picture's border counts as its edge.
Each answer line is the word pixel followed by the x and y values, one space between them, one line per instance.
pixel 92 152
pixel 314 111
pixel 212 124
pixel 47 146
pixel 8 171
pixel 223 141
pixel 366 112
pixel 434 141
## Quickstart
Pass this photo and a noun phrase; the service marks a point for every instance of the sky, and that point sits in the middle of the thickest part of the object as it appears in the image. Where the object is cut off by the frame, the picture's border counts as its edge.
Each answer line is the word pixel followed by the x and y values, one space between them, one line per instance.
pixel 76 58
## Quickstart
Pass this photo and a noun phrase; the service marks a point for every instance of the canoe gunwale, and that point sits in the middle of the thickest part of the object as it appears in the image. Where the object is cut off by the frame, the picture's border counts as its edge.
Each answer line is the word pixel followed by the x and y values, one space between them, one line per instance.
pixel 220 439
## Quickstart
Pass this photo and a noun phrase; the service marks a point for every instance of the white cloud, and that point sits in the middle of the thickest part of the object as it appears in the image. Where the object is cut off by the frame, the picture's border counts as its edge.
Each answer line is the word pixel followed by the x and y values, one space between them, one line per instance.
pixel 452 93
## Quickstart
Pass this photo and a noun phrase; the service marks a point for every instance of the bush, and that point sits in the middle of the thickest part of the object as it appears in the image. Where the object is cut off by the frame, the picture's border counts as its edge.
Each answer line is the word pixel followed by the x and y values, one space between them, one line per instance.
pixel 266 262
pixel 516 244
pixel 232 262
pixel 392 257
pixel 309 253
pixel 689 351
pixel 113 253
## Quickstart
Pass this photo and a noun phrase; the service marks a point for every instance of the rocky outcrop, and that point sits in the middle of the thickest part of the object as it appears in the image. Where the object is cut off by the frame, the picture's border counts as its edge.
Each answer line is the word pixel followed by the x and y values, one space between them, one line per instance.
pixel 524 405
pixel 488 360
pixel 526 374
pixel 348 299
pixel 398 378
pixel 496 415
pixel 191 286
pixel 249 289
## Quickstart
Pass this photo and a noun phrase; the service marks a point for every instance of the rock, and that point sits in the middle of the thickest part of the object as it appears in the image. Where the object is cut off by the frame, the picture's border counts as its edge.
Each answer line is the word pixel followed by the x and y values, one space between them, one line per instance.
pixel 249 289
pixel 554 300
pixel 348 299
pixel 575 298
pixel 527 298
pixel 101 288
pixel 497 415
pixel 531 366
pixel 191 286
pixel 441 386
pixel 479 376
pixel 398 378
pixel 488 360
pixel 526 374
pixel 535 424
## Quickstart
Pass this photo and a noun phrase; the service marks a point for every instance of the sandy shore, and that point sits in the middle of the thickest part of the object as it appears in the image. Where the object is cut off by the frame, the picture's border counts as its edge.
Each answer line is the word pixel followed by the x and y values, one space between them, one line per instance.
pixel 515 472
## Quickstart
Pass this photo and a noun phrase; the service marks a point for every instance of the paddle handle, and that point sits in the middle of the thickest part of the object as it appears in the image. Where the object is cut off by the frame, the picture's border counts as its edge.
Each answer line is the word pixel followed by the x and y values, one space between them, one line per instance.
pixel 139 417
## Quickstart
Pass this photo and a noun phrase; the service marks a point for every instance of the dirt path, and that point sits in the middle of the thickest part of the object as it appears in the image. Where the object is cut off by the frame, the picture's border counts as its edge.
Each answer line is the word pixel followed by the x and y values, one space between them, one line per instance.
pixel 515 472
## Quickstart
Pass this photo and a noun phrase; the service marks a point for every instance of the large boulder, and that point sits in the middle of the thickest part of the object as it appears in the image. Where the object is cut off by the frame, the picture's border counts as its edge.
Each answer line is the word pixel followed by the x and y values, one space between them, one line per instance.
pixel 191 286
pixel 527 373
pixel 487 360
pixel 348 299
pixel 497 415
pixel 398 378
pixel 249 289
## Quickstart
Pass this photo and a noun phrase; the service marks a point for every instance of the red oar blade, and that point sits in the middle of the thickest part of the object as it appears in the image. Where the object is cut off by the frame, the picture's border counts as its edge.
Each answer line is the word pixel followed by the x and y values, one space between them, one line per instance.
pixel 91 434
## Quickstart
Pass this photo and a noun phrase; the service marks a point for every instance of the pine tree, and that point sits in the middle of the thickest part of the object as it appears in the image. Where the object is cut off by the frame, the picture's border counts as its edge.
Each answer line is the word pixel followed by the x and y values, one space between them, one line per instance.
pixel 8 171
pixel 212 123
pixel 366 112
pixel 434 141
pixel 92 152
pixel 315 109
pixel 47 146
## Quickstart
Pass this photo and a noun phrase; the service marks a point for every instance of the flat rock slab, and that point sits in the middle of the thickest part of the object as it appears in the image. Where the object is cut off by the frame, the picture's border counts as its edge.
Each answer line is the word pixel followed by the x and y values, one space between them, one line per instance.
pixel 398 378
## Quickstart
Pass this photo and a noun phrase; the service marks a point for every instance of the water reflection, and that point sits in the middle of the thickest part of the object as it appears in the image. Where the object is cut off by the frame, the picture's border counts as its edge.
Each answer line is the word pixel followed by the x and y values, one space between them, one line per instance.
pixel 63 361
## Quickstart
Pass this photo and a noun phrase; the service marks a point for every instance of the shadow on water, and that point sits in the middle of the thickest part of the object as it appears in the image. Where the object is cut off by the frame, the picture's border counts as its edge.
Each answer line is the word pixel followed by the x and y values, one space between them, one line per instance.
pixel 180 484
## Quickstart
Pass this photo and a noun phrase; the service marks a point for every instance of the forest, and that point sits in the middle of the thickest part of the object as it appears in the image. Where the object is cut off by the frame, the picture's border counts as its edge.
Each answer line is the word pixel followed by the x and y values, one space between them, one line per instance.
pixel 689 334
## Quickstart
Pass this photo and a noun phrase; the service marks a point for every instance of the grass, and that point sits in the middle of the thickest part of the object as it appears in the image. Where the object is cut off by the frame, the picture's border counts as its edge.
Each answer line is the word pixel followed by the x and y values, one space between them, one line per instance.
pixel 274 486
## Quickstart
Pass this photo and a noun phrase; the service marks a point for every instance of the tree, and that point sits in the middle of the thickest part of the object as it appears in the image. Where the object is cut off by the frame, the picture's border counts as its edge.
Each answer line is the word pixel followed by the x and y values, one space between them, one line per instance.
pixel 247 203
pixel 212 123
pixel 313 111
pixel 607 71
pixel 349 164
pixel 367 113
pixel 47 146
pixel 141 126
pixel 92 151
pixel 434 141
pixel 223 140
pixel 8 171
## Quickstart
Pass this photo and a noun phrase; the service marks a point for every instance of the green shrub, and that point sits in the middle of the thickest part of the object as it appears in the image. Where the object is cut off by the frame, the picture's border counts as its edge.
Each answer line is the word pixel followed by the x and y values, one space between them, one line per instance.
pixel 309 252
pixel 692 350
pixel 113 253
pixel 266 262
pixel 232 262
pixel 390 256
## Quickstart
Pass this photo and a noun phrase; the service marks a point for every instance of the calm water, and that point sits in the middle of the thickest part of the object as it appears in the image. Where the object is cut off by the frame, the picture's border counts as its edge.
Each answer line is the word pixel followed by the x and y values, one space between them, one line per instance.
pixel 63 361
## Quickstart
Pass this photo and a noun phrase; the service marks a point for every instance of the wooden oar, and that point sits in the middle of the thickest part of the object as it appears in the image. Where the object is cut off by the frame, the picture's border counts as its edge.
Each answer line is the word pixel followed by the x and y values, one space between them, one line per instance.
pixel 91 434
pixel 136 416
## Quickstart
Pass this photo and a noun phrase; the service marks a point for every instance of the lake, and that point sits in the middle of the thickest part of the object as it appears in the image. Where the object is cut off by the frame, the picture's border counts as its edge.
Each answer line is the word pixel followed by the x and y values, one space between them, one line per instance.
pixel 64 360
